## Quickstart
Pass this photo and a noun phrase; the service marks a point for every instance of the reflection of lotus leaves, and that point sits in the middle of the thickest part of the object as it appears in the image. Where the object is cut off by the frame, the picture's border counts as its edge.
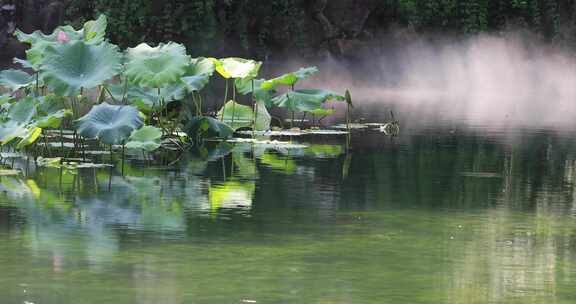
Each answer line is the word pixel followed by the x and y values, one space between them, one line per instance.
pixel 232 195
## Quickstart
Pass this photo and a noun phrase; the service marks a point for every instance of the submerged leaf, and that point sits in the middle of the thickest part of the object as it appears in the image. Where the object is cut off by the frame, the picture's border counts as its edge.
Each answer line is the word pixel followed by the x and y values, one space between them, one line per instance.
pixel 156 67
pixel 147 138
pixel 69 67
pixel 109 123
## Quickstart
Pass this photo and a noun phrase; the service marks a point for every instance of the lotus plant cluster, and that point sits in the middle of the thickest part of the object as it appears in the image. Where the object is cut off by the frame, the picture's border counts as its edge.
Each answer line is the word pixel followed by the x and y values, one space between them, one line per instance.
pixel 78 80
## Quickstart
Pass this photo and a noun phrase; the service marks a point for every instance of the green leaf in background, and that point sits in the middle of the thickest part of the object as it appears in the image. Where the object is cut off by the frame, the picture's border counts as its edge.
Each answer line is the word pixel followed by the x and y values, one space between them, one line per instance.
pixel 208 127
pixel 23 110
pixel 237 67
pixel 245 86
pixel 241 116
pixel 50 112
pixel 156 67
pixel 68 67
pixel 289 79
pixel 147 138
pixel 110 123
pixel 95 30
pixel 147 99
pixel 15 79
pixel 305 100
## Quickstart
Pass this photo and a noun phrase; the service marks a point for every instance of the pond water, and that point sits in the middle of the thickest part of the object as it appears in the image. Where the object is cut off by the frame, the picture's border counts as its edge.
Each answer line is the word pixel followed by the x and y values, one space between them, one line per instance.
pixel 445 212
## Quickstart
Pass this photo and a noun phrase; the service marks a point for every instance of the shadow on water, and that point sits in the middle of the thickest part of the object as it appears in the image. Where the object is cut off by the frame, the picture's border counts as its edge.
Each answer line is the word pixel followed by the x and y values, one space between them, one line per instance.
pixel 449 213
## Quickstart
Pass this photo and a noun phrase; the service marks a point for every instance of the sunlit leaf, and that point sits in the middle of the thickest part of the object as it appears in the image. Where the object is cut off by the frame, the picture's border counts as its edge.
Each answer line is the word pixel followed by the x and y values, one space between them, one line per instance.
pixel 289 79
pixel 237 67
pixel 208 127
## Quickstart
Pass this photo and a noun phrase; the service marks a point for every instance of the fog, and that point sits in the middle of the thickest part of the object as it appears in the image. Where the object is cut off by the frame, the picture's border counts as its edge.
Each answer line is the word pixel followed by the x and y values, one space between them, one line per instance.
pixel 508 80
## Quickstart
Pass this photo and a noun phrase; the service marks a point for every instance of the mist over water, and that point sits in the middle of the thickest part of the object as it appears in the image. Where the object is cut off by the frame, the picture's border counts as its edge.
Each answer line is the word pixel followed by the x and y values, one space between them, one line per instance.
pixel 501 81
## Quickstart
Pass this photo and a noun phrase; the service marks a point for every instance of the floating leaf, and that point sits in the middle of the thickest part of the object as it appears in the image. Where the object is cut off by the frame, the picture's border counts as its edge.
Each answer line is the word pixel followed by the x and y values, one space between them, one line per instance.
pixel 109 123
pixel 147 138
pixel 156 67
pixel 69 67
pixel 289 79
pixel 237 67
pixel 15 79
pixel 305 100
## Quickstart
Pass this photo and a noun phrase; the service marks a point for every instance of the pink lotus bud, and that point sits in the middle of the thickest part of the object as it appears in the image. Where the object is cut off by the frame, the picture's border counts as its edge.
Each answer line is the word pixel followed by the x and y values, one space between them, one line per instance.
pixel 62 37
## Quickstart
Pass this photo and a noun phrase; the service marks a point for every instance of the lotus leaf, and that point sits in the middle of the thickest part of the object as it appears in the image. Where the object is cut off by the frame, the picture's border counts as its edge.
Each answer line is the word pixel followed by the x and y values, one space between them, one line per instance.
pixel 289 79
pixel 237 67
pixel 110 123
pixel 147 138
pixel 240 116
pixel 67 68
pixel 147 99
pixel 156 67
pixel 245 86
pixel 208 127
pixel 305 100
pixel 15 79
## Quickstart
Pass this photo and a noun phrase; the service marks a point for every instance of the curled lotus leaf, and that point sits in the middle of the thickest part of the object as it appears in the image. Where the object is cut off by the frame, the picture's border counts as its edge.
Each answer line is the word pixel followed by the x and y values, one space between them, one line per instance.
pixel 111 124
pixel 67 68
pixel 156 67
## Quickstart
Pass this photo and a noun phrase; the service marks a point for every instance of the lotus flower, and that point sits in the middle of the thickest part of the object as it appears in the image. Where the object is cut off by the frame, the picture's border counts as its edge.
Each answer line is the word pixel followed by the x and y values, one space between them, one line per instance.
pixel 62 37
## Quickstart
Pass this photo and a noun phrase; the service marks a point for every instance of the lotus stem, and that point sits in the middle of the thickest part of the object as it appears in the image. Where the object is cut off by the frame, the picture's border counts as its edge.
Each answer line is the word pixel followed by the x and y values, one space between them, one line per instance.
pixel 302 120
pixel 225 100
pixel 292 120
pixel 234 103
pixel 110 94
pixel 37 84
pixel 123 150
pixel 254 110
pixel 62 139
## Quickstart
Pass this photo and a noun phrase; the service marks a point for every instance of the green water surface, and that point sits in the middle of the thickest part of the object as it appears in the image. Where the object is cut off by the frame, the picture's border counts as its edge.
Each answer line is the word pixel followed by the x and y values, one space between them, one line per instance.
pixel 435 215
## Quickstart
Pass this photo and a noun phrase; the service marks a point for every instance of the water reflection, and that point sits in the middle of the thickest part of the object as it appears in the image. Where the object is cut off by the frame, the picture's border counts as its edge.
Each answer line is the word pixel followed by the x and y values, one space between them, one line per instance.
pixel 426 217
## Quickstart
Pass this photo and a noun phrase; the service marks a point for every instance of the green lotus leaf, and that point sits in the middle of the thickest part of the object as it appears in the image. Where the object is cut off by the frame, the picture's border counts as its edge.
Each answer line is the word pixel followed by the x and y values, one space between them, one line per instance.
pixel 156 67
pixel 110 124
pixel 51 111
pixel 289 79
pixel 15 79
pixel 66 68
pixel 22 111
pixel 241 116
pixel 207 127
pixel 147 138
pixel 24 63
pixel 244 86
pixel 237 67
pixel 39 42
pixel 147 99
pixel 305 100
pixel 11 130
pixel 321 112
pixel 95 30
pixel 198 74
